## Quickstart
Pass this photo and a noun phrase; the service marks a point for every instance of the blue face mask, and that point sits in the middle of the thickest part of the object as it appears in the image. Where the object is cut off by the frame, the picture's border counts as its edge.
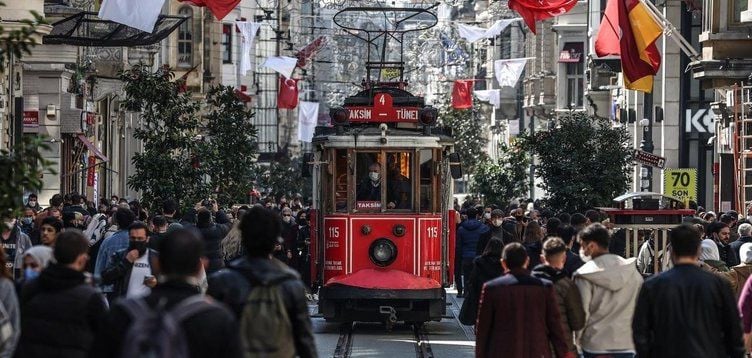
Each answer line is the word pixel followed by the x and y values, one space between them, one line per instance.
pixel 30 274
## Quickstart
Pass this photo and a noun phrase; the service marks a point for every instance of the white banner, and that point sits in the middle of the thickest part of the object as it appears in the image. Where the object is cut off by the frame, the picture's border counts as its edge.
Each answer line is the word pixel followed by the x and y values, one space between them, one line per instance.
pixel 282 64
pixel 308 116
pixel 139 14
pixel 475 33
pixel 491 96
pixel 508 71
pixel 248 32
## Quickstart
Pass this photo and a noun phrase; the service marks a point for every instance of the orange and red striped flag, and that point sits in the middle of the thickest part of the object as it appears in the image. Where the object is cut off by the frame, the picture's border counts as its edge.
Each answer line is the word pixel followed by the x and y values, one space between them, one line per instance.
pixel 629 31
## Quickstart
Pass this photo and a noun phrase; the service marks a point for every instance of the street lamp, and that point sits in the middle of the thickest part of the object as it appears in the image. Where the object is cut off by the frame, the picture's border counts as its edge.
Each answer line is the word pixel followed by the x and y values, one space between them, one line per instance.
pixel 646 145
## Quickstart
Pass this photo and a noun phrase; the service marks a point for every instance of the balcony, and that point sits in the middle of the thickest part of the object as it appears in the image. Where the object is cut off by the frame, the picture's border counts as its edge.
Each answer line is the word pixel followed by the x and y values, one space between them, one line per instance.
pixel 726 44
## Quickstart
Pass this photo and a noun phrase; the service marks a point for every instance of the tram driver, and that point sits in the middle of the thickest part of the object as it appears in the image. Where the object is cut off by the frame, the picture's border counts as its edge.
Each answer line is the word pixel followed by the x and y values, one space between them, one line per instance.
pixel 397 188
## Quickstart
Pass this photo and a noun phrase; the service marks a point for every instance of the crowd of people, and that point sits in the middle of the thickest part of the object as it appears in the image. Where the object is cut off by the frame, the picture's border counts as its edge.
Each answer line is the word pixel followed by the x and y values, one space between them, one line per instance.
pixel 108 280
pixel 565 289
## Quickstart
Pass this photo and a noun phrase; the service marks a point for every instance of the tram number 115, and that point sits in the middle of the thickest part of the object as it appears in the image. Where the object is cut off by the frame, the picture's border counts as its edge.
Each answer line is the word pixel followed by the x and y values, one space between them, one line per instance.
pixel 432 232
pixel 334 232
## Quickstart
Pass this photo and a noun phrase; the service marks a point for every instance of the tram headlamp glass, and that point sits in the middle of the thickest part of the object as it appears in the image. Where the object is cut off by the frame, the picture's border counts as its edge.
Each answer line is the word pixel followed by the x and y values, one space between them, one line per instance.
pixel 383 252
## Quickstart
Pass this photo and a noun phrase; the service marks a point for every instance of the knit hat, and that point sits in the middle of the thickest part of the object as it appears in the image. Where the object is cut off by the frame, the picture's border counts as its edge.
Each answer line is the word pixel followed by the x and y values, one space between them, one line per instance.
pixel 745 253
pixel 709 251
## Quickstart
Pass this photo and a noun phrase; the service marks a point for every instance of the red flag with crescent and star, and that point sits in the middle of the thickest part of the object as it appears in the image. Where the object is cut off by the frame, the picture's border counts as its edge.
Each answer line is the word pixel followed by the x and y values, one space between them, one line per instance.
pixel 537 10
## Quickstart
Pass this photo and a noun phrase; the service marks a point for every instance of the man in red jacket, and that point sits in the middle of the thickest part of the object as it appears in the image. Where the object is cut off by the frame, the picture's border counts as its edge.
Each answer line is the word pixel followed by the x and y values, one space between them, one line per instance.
pixel 518 314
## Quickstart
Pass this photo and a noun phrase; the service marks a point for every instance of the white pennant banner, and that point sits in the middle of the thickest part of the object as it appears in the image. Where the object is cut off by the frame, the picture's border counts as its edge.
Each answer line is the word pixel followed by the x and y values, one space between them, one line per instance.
pixel 475 33
pixel 308 117
pixel 282 64
pixel 139 14
pixel 491 96
pixel 248 31
pixel 508 71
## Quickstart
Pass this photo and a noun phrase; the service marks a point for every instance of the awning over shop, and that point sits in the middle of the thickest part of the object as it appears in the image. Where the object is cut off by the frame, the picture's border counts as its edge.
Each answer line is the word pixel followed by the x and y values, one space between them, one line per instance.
pixel 86 29
pixel 571 53
pixel 93 150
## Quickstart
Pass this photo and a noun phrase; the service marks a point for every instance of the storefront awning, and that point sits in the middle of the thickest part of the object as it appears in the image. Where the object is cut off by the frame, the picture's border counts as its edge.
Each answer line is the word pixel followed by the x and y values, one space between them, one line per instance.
pixel 571 53
pixel 93 150
pixel 86 29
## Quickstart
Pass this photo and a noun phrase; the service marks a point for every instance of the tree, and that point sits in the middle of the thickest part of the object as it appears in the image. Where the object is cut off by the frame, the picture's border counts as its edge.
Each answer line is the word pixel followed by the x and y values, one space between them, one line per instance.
pixel 467 130
pixel 230 155
pixel 584 162
pixel 505 179
pixel 168 166
pixel 284 177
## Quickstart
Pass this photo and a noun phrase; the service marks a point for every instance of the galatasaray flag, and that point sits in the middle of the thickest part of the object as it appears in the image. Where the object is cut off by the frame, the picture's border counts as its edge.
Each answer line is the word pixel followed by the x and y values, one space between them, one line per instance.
pixel 629 31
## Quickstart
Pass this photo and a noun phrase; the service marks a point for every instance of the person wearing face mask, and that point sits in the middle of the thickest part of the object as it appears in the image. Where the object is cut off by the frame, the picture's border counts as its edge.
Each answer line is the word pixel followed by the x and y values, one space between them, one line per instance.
pixel 61 312
pixel 33 203
pixel 134 270
pixel 27 221
pixel 496 231
pixel 290 237
pixel 35 260
pixel 15 243
pixel 370 188
pixel 609 285
pixel 304 247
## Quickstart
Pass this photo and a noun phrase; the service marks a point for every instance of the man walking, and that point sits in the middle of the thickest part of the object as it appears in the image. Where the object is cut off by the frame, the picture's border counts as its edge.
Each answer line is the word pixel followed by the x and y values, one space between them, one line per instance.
pixel 254 285
pixel 60 312
pixel 210 331
pixel 518 314
pixel 608 285
pixel 468 236
pixel 133 271
pixel 686 311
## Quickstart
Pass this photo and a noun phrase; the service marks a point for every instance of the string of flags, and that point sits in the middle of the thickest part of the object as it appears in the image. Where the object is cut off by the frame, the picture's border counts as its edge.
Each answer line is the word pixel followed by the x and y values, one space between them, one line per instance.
pixel 507 73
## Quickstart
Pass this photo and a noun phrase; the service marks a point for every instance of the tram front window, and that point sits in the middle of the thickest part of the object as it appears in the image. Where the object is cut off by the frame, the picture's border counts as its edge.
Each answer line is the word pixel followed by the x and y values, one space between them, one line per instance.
pixel 384 183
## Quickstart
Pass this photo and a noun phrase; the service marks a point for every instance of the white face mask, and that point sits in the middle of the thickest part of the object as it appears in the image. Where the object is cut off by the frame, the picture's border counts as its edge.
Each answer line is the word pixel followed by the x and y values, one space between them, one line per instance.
pixel 286 219
pixel 584 257
pixel 374 176
pixel 487 216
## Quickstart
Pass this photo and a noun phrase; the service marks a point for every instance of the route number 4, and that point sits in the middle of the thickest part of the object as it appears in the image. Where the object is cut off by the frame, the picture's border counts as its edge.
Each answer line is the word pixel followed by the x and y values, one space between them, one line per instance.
pixel 334 232
pixel 432 232
pixel 382 100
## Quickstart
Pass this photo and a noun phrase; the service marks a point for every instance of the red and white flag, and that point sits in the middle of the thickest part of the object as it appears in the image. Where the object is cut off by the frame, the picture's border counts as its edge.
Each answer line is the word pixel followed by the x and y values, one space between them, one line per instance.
pixel 307 52
pixel 536 10
pixel 287 98
pixel 462 94
pixel 220 8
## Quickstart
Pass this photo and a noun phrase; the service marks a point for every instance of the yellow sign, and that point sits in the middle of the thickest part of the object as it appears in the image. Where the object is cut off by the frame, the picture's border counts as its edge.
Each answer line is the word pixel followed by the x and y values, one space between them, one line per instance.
pixel 681 184
pixel 390 73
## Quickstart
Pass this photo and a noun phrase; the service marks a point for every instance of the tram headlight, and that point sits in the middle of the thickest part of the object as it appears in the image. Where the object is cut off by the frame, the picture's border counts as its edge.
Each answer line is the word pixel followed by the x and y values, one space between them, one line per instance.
pixel 428 116
pixel 383 252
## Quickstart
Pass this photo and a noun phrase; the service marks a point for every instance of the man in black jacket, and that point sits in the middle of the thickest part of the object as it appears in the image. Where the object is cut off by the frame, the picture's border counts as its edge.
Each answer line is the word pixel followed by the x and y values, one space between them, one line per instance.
pixel 134 270
pixel 260 229
pixel 212 234
pixel 212 332
pixel 60 311
pixel 686 312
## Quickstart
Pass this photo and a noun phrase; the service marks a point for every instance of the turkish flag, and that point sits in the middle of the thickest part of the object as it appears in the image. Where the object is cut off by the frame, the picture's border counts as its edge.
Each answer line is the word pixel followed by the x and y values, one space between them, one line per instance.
pixel 536 10
pixel 462 94
pixel 288 93
pixel 220 8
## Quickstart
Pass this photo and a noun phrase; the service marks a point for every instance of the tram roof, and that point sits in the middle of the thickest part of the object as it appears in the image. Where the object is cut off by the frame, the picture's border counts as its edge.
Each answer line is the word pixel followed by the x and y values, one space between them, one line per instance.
pixel 370 137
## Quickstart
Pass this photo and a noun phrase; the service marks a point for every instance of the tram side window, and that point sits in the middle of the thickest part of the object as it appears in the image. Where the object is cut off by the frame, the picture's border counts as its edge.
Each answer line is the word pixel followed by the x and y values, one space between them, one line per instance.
pixel 399 180
pixel 426 180
pixel 340 181
pixel 369 177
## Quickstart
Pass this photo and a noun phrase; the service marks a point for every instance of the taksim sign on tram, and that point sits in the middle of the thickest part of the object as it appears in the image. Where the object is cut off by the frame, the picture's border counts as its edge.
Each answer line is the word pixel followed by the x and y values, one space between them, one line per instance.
pixel 383 111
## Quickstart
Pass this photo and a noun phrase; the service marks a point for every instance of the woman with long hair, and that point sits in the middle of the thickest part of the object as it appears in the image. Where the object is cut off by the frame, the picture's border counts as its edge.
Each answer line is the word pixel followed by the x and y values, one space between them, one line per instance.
pixel 8 309
pixel 486 267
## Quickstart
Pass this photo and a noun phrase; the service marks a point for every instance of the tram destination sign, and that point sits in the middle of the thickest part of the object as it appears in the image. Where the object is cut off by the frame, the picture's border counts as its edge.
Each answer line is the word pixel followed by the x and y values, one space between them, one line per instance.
pixel 383 111
pixel 649 159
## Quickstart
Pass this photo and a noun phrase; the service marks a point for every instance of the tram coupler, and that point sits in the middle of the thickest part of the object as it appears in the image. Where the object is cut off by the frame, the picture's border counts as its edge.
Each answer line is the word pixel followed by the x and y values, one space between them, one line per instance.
pixel 391 318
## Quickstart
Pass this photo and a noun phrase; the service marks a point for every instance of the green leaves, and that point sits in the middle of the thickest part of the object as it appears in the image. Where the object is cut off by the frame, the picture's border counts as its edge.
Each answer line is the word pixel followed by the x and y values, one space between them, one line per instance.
pixel 584 162
pixel 467 129
pixel 170 132
pixel 283 177
pixel 230 154
pixel 23 167
pixel 506 179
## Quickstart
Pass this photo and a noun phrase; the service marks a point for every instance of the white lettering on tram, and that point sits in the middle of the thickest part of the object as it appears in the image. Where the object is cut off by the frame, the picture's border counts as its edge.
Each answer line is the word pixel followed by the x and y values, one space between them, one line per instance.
pixel 407 114
pixel 360 114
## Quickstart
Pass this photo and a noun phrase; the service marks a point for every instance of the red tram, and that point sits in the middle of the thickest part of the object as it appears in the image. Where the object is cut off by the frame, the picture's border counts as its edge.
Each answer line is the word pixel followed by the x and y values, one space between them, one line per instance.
pixel 383 246
pixel 384 224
